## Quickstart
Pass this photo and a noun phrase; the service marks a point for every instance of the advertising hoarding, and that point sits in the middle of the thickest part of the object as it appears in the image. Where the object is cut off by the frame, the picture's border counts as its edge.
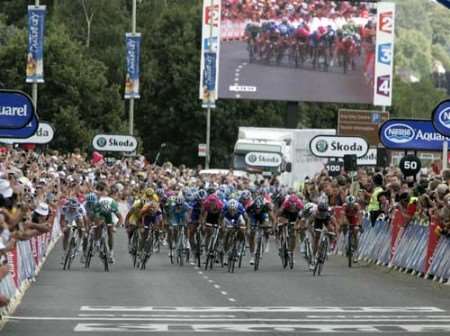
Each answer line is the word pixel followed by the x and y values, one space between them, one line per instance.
pixel 301 51
pixel 35 54
pixel 114 143
pixel 133 53
pixel 209 67
pixel 405 134
pixel 361 123
pixel 327 146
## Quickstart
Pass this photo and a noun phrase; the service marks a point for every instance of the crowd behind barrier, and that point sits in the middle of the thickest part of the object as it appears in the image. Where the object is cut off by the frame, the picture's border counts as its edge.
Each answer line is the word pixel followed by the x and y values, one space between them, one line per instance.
pixel 24 261
pixel 417 248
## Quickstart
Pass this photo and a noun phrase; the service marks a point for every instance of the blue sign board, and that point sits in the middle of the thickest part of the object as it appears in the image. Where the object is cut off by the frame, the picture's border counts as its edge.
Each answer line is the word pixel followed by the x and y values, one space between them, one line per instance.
pixel 22 133
pixel 133 43
pixel 446 3
pixel 16 109
pixel 441 118
pixel 403 134
pixel 35 55
pixel 209 78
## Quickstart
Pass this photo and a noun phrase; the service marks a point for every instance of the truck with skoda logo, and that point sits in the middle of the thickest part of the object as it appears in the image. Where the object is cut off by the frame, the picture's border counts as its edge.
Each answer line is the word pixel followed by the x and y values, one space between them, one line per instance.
pixel 278 152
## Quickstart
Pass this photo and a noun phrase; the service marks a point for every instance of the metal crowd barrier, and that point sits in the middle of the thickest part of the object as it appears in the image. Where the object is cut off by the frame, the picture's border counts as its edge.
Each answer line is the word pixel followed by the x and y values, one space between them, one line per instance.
pixel 24 263
pixel 416 248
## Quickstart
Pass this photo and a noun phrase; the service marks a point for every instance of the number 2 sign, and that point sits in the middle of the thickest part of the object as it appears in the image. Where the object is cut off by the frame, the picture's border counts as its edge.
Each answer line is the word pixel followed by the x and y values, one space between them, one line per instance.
pixel 386 22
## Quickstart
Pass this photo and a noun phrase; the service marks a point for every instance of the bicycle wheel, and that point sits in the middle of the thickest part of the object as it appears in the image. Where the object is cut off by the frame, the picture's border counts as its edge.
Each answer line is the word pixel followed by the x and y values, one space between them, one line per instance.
pixel 283 253
pixel 89 253
pixel 135 247
pixel 350 247
pixel 105 252
pixel 308 251
pixel 258 251
pixel 171 248
pixel 70 253
pixel 291 260
pixel 210 253
pixel 180 248
pixel 148 250
pixel 198 247
pixel 232 256
pixel 241 250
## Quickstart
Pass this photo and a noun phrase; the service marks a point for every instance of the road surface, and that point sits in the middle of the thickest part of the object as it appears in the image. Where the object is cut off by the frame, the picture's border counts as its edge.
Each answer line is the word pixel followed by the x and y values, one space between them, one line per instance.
pixel 185 300
pixel 239 79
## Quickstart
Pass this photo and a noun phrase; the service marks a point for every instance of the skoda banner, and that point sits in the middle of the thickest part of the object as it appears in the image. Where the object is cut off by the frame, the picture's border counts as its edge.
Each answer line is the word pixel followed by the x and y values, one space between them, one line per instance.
pixel 210 49
pixel 133 42
pixel 21 133
pixel 16 109
pixel 384 54
pixel 43 135
pixel 257 159
pixel 404 134
pixel 35 55
pixel 330 146
pixel 441 118
pixel 114 143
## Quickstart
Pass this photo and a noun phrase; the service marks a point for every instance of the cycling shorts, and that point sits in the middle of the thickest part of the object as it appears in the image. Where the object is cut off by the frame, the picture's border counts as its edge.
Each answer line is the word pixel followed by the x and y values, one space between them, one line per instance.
pixel 259 219
pixel 212 218
pixel 290 216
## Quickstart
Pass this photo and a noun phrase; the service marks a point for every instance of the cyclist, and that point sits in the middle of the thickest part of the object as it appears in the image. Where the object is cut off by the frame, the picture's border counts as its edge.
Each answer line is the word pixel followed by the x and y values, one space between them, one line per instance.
pixel 177 212
pixel 150 218
pixel 132 219
pixel 258 214
pixel 212 209
pixel 108 213
pixel 196 205
pixel 289 215
pixel 352 218
pixel 72 213
pixel 307 226
pixel 232 218
pixel 322 217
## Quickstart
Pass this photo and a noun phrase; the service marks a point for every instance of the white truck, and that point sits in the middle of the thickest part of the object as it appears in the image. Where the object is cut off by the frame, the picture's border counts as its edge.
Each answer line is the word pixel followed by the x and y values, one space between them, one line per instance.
pixel 278 151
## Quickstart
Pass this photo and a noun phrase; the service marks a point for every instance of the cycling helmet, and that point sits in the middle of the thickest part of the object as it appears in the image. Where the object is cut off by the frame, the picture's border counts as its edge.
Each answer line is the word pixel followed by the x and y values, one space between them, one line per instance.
pixel 211 190
pixel 160 192
pixel 91 198
pixel 72 203
pixel 202 194
pixel 105 206
pixel 350 200
pixel 322 207
pixel 233 205
pixel 246 195
pixel 189 196
pixel 179 200
pixel 148 193
pixel 259 202
pixel 172 200
pixel 309 209
pixel 222 196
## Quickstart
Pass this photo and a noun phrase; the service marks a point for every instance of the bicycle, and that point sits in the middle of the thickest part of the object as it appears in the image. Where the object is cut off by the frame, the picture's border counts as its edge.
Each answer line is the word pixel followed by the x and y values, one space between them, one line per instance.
pixel 351 244
pixel 308 247
pixel 259 246
pixel 237 249
pixel 182 249
pixel 287 256
pixel 73 248
pixel 322 251
pixel 213 252
pixel 146 247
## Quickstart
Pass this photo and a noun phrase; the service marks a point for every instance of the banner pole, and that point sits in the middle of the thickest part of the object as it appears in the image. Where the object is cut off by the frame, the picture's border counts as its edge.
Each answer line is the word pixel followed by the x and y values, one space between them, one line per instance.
pixel 208 112
pixel 34 86
pixel 445 155
pixel 133 30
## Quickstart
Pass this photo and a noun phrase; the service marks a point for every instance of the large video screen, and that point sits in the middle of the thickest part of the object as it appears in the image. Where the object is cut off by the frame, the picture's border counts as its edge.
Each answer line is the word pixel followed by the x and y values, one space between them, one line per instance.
pixel 298 50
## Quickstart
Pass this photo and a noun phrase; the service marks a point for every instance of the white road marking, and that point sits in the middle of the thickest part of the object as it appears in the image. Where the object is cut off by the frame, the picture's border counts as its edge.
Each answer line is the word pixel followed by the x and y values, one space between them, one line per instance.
pixel 236 79
pixel 378 316
pixel 210 281
pixel 205 277
pixel 200 272
pixel 287 309
pixel 242 88
pixel 217 286
pixel 325 328
pixel 231 300
pixel 234 320
pixel 157 315
pixel 224 293
pixel 238 96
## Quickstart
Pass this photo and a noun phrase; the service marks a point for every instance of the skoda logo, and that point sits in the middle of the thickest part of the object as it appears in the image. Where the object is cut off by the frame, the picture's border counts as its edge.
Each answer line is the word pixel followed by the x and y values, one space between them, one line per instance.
pixel 444 117
pixel 322 146
pixel 101 142
pixel 252 158
pixel 399 133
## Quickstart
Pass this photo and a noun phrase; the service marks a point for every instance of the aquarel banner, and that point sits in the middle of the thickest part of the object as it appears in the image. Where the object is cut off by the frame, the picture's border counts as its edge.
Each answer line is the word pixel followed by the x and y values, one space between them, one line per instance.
pixel 35 54
pixel 133 42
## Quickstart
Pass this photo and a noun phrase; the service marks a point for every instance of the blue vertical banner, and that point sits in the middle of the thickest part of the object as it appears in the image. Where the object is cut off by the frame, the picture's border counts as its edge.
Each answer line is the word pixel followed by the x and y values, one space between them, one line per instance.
pixel 35 54
pixel 133 42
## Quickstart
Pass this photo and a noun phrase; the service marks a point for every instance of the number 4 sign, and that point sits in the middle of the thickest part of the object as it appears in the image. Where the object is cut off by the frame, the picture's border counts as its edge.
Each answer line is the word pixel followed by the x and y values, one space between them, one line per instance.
pixel 384 85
